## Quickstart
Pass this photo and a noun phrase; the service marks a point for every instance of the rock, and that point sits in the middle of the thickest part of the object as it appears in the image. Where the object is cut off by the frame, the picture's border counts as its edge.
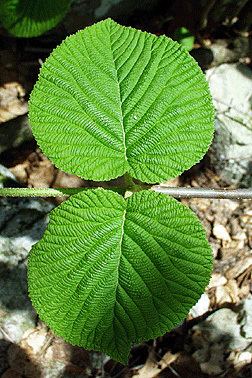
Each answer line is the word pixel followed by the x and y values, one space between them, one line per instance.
pixel 247 318
pixel 216 337
pixel 223 327
pixel 240 236
pixel 34 340
pixel 231 153
pixel 27 350
pixel 201 307
pixel 22 223
pixel 217 280
pixel 230 50
pixel 14 126
pixel 215 365
pixel 228 293
pixel 240 359
pixel 41 354
pixel 6 177
pixel 16 322
pixel 12 102
pixel 14 132
pixel 220 232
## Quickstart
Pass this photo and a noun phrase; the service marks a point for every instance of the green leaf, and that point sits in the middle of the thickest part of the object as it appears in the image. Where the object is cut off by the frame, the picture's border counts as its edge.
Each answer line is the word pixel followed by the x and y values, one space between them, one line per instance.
pixel 31 18
pixel 184 37
pixel 110 272
pixel 112 99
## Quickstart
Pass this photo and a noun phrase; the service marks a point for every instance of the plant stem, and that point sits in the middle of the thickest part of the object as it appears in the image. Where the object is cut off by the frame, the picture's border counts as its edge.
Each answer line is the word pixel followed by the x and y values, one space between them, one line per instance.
pixel 39 192
pixel 177 192
pixel 204 192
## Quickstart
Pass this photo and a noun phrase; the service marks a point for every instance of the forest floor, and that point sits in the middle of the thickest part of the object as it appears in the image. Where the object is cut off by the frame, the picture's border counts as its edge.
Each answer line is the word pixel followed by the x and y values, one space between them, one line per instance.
pixel 203 346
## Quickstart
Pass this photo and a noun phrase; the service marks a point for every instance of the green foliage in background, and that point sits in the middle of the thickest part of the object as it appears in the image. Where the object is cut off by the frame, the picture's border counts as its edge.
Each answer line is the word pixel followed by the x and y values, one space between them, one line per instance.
pixel 184 37
pixel 110 271
pixel 31 18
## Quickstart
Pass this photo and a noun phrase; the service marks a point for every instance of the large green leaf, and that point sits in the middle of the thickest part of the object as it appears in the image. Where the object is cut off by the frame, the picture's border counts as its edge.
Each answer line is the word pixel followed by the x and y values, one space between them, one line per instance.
pixel 112 99
pixel 31 18
pixel 109 272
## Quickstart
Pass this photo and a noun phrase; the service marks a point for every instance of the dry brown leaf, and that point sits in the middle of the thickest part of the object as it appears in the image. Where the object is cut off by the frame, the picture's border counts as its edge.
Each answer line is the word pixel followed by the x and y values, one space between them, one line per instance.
pixel 153 368
pixel 228 293
pixel 239 268
pixel 12 103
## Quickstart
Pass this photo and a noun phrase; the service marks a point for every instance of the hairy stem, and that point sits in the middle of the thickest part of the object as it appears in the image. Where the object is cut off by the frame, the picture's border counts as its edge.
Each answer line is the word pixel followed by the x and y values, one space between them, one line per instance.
pixel 177 192
pixel 204 192
pixel 38 192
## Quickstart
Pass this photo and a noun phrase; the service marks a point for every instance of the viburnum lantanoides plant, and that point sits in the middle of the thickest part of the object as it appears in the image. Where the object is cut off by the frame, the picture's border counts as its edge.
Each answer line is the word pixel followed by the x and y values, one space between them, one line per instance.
pixel 111 271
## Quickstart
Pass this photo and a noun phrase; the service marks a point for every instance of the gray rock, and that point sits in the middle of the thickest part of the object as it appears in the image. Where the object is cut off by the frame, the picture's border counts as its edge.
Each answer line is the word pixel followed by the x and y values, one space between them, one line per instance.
pixel 231 152
pixel 223 327
pixel 247 318
pixel 22 223
pixel 222 332
pixel 14 132
pixel 230 50
pixel 6 176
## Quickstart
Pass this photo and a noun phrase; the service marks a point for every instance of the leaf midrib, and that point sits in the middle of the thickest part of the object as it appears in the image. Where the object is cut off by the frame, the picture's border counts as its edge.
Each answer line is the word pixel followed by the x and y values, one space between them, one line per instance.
pixel 120 245
pixel 119 96
pixel 118 264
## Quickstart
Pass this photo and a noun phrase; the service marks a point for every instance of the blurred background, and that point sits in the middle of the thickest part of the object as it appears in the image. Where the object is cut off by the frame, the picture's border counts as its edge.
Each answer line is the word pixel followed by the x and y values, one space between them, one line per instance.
pixel 216 338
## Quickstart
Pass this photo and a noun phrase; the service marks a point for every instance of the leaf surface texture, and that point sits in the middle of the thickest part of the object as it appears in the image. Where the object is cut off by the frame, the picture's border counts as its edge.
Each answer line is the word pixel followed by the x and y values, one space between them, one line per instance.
pixel 112 99
pixel 110 272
